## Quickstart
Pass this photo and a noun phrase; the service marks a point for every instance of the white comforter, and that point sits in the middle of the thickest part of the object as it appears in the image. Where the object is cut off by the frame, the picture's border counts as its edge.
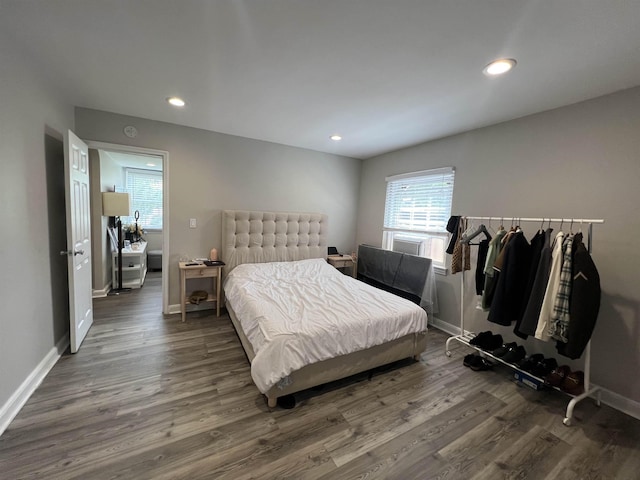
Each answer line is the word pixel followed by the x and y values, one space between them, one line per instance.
pixel 298 313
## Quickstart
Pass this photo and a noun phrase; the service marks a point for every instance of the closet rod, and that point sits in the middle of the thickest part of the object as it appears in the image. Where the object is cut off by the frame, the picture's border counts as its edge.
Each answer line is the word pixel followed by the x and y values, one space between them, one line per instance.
pixel 528 219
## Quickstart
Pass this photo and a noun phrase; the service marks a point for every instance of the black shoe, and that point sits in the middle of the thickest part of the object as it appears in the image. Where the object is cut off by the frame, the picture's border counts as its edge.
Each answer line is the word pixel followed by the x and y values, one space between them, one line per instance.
pixel 504 349
pixel 481 337
pixel 515 355
pixel 545 367
pixel 491 343
pixel 470 360
pixel 529 364
pixel 481 364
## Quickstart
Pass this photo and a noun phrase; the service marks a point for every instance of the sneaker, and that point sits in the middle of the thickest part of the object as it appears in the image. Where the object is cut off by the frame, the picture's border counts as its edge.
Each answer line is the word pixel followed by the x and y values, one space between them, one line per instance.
pixel 529 363
pixel 470 360
pixel 481 364
pixel 544 367
pixel 504 349
pixel 515 355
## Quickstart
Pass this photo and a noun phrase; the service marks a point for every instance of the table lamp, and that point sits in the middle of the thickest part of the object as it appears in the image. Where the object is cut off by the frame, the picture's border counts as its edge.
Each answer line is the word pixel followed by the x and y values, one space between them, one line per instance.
pixel 117 205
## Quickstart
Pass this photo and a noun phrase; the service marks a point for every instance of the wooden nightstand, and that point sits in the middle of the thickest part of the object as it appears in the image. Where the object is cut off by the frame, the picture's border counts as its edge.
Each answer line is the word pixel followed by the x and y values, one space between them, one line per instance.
pixel 199 271
pixel 343 261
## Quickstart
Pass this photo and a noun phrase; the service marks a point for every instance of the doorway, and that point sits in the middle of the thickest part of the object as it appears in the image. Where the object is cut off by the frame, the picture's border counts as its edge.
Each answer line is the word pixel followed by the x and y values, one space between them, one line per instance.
pixel 122 166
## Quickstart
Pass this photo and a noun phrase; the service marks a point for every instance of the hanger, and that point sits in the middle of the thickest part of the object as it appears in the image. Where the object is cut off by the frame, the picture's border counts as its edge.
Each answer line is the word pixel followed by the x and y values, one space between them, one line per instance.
pixel 470 227
pixel 466 238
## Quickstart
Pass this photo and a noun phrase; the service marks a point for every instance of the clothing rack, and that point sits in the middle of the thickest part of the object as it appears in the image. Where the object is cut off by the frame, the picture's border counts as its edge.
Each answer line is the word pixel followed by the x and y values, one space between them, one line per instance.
pixel 465 337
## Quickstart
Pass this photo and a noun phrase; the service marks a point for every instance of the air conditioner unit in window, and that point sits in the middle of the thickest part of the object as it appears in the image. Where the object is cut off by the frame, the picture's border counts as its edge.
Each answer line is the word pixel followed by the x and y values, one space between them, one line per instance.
pixel 407 245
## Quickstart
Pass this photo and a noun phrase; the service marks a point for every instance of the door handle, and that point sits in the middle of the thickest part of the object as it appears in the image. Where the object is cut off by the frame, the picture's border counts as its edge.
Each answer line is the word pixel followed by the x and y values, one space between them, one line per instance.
pixel 71 252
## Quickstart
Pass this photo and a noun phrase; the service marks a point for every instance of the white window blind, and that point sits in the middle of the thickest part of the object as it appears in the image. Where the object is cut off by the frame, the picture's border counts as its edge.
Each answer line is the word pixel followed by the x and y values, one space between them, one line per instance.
pixel 145 195
pixel 419 201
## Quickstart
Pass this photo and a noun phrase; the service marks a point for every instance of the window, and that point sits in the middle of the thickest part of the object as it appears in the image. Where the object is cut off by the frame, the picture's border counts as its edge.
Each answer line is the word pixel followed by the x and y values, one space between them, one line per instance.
pixel 417 209
pixel 145 194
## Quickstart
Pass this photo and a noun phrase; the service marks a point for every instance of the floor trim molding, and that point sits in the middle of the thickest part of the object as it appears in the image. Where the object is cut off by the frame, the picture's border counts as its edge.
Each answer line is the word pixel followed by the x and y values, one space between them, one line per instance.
pixel 614 400
pixel 15 403
pixel 101 292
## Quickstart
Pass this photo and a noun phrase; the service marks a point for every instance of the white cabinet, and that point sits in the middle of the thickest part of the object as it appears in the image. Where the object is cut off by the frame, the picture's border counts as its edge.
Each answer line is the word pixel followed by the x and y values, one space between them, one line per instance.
pixel 134 267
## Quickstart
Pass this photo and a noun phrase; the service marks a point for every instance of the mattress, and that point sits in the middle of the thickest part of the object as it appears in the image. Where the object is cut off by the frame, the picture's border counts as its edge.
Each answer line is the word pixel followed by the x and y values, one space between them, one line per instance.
pixel 298 313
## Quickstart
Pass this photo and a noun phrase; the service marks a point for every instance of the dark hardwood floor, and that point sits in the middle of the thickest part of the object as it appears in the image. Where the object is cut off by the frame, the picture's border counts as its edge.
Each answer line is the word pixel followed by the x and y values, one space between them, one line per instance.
pixel 149 397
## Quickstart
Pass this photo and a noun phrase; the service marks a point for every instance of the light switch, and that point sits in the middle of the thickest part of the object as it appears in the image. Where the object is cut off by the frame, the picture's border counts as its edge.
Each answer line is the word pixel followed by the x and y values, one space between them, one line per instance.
pixel 192 223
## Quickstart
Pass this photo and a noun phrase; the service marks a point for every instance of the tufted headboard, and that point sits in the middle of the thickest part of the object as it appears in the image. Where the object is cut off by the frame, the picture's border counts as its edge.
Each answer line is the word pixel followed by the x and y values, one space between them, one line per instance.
pixel 259 237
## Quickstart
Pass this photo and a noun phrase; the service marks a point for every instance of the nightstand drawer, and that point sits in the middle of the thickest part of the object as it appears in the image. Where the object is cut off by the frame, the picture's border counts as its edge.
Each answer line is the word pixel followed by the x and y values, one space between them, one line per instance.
pixel 204 272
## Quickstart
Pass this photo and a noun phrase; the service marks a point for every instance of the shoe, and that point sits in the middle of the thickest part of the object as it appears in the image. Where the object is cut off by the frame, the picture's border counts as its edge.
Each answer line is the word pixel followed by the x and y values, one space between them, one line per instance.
pixel 504 349
pixel 573 383
pixel 487 342
pixel 515 355
pixel 470 360
pixel 491 343
pixel 481 364
pixel 557 376
pixel 529 363
pixel 481 337
pixel 544 367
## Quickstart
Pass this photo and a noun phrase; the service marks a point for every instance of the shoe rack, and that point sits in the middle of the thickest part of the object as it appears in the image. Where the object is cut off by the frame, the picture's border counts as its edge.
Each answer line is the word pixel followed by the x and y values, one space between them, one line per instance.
pixel 465 336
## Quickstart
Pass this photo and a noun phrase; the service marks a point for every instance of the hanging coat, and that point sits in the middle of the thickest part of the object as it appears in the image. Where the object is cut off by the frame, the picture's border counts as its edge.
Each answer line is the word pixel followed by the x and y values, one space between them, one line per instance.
pixel 585 303
pixel 509 296
pixel 531 313
pixel 552 289
pixel 490 274
pixel 483 248
pixel 537 243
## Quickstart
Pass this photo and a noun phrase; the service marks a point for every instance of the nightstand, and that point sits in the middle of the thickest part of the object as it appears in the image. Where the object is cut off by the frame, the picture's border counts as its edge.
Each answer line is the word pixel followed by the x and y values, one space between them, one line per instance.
pixel 199 271
pixel 342 261
pixel 134 266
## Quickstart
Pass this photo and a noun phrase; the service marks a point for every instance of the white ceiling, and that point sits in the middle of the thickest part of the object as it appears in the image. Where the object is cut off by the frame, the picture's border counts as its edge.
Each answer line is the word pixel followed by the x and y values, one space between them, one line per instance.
pixel 131 160
pixel 385 74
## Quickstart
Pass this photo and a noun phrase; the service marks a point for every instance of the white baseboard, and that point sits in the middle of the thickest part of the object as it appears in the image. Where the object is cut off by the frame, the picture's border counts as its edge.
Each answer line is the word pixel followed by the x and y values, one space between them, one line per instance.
pixel 623 404
pixel 614 400
pixel 444 326
pixel 12 407
pixel 102 292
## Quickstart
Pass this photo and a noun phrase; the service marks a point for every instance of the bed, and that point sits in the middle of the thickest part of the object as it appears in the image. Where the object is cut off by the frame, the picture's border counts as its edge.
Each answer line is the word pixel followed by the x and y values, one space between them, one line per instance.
pixel 300 321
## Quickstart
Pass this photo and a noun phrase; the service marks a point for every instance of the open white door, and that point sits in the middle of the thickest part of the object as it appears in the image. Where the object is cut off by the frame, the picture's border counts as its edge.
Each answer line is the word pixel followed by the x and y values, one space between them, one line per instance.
pixel 78 238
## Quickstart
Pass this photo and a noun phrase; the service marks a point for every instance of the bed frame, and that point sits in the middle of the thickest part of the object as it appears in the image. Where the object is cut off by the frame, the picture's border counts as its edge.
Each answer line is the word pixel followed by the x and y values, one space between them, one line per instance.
pixel 259 237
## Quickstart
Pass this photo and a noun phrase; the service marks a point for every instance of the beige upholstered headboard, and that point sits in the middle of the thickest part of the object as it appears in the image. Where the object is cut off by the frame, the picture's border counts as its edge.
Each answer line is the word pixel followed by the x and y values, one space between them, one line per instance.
pixel 259 237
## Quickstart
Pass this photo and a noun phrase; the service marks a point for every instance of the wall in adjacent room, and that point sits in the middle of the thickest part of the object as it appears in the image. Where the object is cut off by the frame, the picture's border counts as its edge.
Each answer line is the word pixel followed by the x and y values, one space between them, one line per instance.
pixel 580 161
pixel 210 172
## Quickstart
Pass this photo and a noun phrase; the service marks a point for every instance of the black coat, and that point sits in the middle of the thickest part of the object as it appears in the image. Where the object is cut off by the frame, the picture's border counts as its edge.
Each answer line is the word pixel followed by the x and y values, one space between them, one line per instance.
pixel 535 297
pixel 507 304
pixel 585 303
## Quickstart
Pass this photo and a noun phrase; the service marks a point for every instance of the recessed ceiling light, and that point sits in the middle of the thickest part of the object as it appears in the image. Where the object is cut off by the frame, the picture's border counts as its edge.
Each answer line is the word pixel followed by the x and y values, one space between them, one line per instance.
pixel 176 101
pixel 498 67
pixel 335 138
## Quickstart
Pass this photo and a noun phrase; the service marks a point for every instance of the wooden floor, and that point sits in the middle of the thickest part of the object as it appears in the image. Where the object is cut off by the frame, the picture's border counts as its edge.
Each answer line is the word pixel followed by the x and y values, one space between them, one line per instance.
pixel 149 397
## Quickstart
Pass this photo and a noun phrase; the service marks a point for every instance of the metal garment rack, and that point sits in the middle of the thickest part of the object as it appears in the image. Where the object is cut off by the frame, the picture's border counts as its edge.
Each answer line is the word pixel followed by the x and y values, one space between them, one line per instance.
pixel 465 337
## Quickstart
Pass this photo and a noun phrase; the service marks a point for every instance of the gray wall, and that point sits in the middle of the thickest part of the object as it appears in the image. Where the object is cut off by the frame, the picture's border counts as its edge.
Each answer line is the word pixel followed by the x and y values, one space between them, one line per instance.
pixel 579 161
pixel 33 304
pixel 210 172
